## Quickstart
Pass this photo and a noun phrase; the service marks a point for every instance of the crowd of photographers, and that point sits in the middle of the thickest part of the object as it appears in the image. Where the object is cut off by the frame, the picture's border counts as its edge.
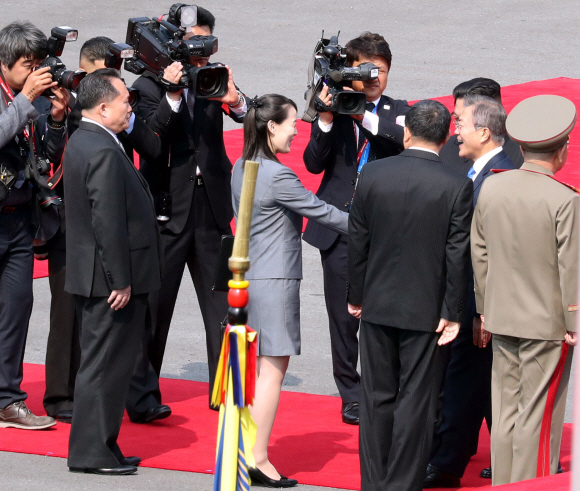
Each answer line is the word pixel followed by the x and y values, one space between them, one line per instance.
pixel 115 266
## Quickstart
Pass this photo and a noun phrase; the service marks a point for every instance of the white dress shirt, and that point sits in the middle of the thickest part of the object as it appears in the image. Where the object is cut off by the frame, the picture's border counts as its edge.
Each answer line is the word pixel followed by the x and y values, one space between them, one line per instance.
pixel 481 162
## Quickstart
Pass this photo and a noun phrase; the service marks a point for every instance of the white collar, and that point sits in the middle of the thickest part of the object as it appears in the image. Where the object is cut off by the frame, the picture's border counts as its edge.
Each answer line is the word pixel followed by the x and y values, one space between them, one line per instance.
pixel 424 150
pixel 482 161
pixel 87 120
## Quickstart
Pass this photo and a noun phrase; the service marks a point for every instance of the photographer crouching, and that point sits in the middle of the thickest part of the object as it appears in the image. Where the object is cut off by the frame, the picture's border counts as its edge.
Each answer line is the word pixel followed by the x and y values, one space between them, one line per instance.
pixel 30 128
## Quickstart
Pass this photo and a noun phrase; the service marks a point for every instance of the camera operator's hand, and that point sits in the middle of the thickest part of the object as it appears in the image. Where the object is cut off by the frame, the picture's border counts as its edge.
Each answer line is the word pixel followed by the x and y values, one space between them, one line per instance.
pixel 231 96
pixel 173 74
pixel 59 103
pixel 37 82
pixel 120 298
pixel 327 116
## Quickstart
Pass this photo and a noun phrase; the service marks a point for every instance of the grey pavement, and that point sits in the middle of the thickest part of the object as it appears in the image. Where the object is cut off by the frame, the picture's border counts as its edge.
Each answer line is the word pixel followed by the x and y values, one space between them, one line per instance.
pixel 268 44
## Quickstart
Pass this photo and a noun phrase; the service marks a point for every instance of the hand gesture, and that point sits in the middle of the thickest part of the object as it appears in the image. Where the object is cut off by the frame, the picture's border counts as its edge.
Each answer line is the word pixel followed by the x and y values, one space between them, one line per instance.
pixel 59 103
pixel 355 310
pixel 571 338
pixel 173 74
pixel 37 82
pixel 231 96
pixel 326 117
pixel 481 337
pixel 120 298
pixel 449 331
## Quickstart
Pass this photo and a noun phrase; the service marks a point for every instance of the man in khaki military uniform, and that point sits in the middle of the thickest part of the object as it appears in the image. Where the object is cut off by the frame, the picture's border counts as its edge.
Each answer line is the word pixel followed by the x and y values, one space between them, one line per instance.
pixel 524 243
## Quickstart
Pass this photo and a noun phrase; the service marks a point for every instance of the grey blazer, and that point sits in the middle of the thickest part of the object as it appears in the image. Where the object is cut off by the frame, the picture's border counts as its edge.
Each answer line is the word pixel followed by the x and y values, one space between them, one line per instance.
pixel 280 202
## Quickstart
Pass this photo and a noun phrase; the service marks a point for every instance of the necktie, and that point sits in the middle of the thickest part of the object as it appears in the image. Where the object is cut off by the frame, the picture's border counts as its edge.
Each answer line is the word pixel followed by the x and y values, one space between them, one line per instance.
pixel 190 102
pixel 471 173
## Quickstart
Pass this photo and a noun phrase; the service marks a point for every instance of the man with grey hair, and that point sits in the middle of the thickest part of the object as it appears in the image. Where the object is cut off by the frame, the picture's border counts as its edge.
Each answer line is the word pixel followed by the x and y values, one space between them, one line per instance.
pixel 480 130
pixel 22 47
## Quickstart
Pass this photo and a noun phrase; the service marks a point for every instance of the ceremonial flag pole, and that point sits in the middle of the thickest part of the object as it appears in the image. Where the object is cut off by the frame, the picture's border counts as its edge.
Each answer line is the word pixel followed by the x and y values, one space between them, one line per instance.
pixel 235 381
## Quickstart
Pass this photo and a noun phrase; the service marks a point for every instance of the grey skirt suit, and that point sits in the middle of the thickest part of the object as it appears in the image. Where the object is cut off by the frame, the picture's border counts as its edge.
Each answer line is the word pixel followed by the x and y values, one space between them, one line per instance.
pixel 280 202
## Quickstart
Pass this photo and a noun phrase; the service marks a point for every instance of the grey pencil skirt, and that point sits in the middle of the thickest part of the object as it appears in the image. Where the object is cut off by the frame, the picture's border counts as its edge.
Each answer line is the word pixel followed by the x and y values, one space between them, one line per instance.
pixel 274 312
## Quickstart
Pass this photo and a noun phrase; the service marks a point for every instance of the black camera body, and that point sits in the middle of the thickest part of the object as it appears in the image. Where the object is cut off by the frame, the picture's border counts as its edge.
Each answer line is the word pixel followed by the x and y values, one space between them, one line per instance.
pixel 65 78
pixel 330 68
pixel 159 43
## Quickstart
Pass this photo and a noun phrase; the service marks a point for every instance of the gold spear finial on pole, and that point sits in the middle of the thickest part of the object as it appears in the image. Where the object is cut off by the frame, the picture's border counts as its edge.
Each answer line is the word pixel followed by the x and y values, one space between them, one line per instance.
pixel 239 262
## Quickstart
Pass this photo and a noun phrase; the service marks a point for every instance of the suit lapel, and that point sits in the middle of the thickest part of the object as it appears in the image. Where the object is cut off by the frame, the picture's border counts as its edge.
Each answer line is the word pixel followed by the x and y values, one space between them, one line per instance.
pixel 495 160
pixel 97 129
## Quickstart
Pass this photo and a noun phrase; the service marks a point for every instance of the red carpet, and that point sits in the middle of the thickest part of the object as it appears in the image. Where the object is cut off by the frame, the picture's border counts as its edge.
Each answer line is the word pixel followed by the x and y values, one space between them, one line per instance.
pixel 511 95
pixel 309 441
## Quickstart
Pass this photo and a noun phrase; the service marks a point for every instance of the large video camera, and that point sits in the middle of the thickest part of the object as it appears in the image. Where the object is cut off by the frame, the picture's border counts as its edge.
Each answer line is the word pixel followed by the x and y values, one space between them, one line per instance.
pixel 329 67
pixel 65 78
pixel 158 43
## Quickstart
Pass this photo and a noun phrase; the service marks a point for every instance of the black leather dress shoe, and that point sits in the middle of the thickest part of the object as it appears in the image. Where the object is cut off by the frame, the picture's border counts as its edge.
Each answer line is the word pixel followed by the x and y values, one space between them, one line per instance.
pixel 261 479
pixel 134 461
pixel 439 479
pixel 485 473
pixel 350 413
pixel 560 470
pixel 120 470
pixel 64 416
pixel 154 413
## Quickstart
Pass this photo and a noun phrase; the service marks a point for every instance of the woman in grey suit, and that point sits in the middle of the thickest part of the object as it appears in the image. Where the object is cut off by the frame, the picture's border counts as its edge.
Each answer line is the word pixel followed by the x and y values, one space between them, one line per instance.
pixel 280 202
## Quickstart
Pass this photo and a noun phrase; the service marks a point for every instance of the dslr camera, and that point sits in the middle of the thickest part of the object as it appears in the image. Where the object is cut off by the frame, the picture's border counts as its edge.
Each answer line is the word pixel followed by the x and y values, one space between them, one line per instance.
pixel 328 67
pixel 65 78
pixel 158 43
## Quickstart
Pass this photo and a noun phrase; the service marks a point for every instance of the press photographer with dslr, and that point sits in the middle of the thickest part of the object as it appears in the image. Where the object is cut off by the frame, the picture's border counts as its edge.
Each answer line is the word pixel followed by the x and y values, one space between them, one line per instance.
pixel 191 180
pixel 63 350
pixel 339 146
pixel 22 48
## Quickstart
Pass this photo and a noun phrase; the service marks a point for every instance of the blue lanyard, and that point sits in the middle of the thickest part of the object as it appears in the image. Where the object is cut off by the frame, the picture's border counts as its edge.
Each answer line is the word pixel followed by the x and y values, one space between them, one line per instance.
pixel 364 157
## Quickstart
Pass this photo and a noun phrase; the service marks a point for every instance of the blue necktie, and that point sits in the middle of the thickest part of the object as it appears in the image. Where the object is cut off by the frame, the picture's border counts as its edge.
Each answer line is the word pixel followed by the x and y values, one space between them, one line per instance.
pixel 471 173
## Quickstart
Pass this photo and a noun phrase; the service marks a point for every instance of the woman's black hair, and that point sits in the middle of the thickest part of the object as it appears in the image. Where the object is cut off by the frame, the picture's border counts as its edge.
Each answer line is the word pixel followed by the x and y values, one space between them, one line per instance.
pixel 269 107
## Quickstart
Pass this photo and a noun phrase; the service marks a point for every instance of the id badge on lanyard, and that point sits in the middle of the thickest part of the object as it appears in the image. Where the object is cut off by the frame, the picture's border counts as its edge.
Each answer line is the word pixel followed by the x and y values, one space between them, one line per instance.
pixel 363 154
pixel 363 157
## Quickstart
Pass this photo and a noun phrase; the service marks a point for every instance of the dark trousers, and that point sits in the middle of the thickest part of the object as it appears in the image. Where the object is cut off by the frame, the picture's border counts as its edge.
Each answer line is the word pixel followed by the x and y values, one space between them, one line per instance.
pixel 16 263
pixel 343 326
pixel 197 246
pixel 63 348
pixel 401 373
pixel 109 342
pixel 466 402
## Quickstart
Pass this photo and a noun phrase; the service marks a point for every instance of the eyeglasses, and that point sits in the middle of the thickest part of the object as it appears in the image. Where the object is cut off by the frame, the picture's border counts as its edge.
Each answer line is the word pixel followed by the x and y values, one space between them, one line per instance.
pixel 461 126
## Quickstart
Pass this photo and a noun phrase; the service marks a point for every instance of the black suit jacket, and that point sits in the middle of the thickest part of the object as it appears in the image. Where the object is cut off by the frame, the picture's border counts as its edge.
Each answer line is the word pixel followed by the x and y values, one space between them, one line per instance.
pixel 450 154
pixel 408 244
pixel 335 154
pixel 112 238
pixel 499 161
pixel 190 144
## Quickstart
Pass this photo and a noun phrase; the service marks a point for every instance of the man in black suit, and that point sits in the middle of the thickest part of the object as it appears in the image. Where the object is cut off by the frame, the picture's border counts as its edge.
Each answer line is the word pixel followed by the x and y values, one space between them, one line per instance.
pixel 339 146
pixel 407 267
pixel 63 350
pixel 194 172
pixel 113 259
pixel 480 131
pixel 450 151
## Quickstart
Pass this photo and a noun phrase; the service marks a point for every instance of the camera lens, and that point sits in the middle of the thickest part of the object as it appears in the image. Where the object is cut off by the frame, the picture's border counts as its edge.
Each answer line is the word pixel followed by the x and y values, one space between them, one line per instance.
pixel 68 79
pixel 208 83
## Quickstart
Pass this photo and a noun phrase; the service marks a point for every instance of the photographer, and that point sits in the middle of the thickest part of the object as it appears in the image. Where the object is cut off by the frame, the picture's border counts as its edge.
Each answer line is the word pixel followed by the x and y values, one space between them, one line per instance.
pixel 63 350
pixel 22 47
pixel 197 173
pixel 339 146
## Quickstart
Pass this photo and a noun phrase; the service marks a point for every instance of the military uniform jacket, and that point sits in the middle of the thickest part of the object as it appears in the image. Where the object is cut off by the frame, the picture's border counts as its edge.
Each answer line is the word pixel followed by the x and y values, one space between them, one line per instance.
pixel 524 246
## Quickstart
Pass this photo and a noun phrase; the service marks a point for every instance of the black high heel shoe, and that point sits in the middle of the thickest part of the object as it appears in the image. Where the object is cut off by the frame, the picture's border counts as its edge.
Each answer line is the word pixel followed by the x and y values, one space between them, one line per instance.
pixel 258 477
